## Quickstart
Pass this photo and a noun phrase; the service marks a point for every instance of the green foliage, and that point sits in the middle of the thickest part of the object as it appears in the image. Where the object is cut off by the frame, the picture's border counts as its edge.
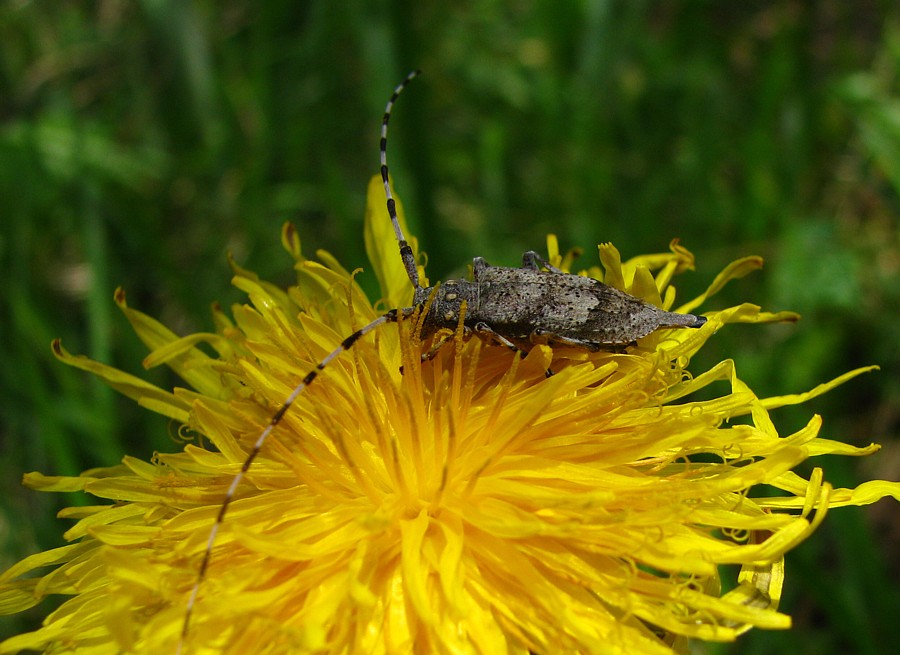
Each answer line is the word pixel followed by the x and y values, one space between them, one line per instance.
pixel 141 141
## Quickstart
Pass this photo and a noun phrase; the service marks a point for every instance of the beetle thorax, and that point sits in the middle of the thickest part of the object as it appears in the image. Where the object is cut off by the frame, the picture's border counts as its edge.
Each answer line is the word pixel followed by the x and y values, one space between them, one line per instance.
pixel 446 304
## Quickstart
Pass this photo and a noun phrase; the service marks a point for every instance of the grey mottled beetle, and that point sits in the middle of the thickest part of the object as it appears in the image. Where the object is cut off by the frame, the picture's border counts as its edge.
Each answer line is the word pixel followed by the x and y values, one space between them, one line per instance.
pixel 516 307
pixel 528 305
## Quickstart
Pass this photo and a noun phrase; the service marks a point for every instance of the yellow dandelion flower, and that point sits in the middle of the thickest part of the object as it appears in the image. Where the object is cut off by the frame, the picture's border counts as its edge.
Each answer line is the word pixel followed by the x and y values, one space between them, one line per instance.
pixel 467 504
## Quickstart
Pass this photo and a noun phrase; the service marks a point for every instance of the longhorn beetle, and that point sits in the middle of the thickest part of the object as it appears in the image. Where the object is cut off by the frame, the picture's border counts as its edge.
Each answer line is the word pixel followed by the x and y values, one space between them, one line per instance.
pixel 514 307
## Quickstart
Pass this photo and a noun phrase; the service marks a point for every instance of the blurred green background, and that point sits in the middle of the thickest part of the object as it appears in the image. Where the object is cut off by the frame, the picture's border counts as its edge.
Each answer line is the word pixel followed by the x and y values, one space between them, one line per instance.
pixel 142 141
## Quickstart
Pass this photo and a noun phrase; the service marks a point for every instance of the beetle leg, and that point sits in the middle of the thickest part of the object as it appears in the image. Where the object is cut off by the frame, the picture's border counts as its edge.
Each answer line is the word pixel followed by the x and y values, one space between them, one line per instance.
pixel 485 329
pixel 534 262
pixel 479 265
pixel 539 336
pixel 439 342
